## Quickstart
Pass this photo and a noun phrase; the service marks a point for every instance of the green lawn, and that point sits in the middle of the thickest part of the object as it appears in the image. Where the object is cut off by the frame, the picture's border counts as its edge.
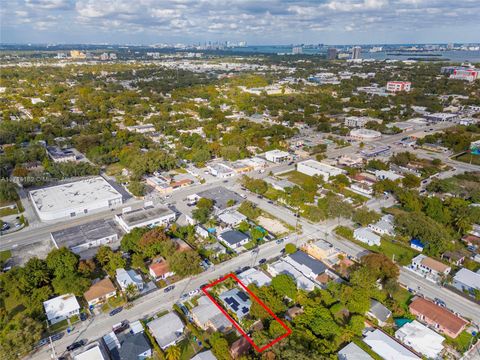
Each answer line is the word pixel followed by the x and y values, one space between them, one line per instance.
pixel 403 254
pixel 8 211
pixel 469 158
pixel 461 342
pixel 5 255
pixel 113 303
pixel 296 177
pixel 62 325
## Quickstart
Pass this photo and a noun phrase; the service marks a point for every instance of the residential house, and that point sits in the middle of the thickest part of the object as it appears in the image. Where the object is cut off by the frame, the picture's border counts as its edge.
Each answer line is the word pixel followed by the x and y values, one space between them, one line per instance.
pixel 100 292
pixel 353 352
pixel 61 307
pixel 472 240
pixel 320 249
pixel 233 238
pixel 386 174
pixel 254 276
pixel 307 265
pixel 202 232
pixel 467 281
pixel 206 315
pixel 362 188
pixel 366 236
pixel 149 216
pixel 417 244
pixel 283 267
pixel 421 339
pixel 240 347
pixel 456 257
pixel 293 312
pixel 131 347
pixel 379 312
pixel 315 168
pixel 384 226
pixel 430 268
pixel 237 301
pixel 127 277
pixel 205 355
pixel 279 184
pixel 160 270
pixel 387 347
pixel 232 218
pixel 167 330
pixel 438 317
pixel 215 248
pixel 93 353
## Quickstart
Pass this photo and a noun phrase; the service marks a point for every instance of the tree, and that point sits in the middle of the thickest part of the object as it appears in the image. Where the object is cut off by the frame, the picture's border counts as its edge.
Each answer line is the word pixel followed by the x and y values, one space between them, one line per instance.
pixel 220 346
pixel 173 353
pixel 284 285
pixel 62 262
pixel 290 248
pixel 8 191
pixel 249 210
pixel 411 181
pixel 138 262
pixel 130 241
pixel 86 267
pixel 70 283
pixel 363 216
pixel 185 263
pixel 201 215
pixel 18 337
pixel 381 266
pixel 136 188
pixel 131 291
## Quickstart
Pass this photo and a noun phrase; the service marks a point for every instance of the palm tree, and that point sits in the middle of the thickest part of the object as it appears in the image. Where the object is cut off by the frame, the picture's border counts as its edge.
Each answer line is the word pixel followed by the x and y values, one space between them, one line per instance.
pixel 131 290
pixel 173 352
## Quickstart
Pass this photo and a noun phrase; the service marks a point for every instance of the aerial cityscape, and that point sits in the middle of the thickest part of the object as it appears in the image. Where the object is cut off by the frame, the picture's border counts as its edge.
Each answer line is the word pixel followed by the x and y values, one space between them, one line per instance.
pixel 219 180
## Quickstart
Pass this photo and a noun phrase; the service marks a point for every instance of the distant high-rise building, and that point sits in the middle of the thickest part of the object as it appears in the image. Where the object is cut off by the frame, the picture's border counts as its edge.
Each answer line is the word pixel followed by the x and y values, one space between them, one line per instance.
pixel 356 51
pixel 450 46
pixel 297 50
pixel 331 54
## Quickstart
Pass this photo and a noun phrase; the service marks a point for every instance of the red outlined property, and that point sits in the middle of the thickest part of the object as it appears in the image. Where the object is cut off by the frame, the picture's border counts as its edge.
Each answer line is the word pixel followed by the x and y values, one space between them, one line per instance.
pixel 288 331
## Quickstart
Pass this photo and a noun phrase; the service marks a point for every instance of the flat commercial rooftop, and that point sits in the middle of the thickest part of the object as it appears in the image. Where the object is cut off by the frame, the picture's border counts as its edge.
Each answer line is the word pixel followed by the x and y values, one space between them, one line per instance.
pixel 84 233
pixel 220 196
pixel 140 216
pixel 74 195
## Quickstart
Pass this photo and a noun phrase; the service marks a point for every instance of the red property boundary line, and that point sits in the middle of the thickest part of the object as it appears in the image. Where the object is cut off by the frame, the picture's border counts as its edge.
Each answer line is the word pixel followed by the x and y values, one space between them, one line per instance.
pixel 237 326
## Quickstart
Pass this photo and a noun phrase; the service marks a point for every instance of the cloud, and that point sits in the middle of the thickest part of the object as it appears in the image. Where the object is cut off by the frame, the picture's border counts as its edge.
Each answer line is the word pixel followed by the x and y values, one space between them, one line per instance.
pixel 281 21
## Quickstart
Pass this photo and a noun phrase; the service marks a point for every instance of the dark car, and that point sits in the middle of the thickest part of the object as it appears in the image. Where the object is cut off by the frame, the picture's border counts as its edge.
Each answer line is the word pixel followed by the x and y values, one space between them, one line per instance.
pixel 262 261
pixel 83 316
pixel 121 327
pixel 440 302
pixel 169 288
pixel 42 342
pixel 75 345
pixel 5 226
pixel 57 336
pixel 116 311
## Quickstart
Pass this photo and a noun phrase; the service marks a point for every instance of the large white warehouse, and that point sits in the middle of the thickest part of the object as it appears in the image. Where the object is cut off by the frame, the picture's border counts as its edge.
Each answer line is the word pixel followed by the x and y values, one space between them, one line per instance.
pixel 313 167
pixel 74 199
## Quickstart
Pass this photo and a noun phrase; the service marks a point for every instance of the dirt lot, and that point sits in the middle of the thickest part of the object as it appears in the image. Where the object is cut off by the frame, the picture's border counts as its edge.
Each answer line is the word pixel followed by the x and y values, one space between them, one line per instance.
pixel 272 225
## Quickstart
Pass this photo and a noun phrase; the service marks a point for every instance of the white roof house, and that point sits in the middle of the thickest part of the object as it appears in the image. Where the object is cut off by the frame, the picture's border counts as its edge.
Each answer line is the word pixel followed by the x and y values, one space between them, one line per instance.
pixel 206 355
pixel 254 276
pixel 166 330
pixel 384 226
pixel 421 339
pixel 353 352
pixel 387 174
pixel 315 168
pixel 127 277
pixel 467 280
pixel 283 267
pixel 61 307
pixel 366 236
pixel 93 353
pixel 74 199
pixel 232 218
pixel 388 348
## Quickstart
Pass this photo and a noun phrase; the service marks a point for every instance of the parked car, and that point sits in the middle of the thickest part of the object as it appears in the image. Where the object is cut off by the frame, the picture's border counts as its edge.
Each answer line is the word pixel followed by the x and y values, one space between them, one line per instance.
pixel 262 261
pixel 75 345
pixel 57 336
pixel 169 288
pixel 279 241
pixel 193 292
pixel 5 226
pixel 116 311
pixel 120 327
pixel 83 316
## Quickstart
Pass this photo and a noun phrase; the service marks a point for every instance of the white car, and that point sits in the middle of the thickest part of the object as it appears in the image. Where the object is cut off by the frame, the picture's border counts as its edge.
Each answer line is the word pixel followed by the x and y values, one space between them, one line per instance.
pixel 193 292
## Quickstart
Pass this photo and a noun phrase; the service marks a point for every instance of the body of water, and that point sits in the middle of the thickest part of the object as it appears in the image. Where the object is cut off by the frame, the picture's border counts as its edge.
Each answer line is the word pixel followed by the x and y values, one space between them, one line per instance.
pixel 449 55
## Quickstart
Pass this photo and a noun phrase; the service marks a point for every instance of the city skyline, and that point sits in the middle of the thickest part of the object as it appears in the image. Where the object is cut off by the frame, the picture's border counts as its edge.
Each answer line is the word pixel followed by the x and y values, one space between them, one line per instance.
pixel 270 22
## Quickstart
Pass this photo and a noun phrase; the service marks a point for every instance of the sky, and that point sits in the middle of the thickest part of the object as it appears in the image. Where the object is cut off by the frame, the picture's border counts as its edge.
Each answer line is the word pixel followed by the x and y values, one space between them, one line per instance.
pixel 146 22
